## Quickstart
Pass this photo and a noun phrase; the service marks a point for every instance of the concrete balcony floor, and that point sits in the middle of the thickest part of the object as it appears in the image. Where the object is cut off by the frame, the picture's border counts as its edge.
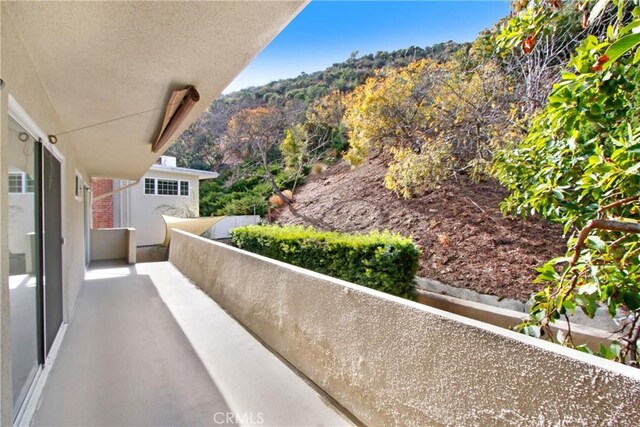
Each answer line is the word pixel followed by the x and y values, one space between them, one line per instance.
pixel 147 347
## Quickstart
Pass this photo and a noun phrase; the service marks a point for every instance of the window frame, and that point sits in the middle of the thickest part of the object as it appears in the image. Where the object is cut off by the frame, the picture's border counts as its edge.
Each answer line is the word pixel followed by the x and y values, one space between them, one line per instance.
pixel 178 182
pixel 144 187
pixel 24 183
pixel 166 187
pixel 188 193
pixel 13 177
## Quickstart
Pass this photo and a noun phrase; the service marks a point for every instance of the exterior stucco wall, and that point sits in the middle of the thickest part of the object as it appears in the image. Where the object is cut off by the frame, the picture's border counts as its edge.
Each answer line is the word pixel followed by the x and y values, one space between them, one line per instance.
pixel 23 84
pixel 145 209
pixel 395 362
pixel 113 243
pixel 6 392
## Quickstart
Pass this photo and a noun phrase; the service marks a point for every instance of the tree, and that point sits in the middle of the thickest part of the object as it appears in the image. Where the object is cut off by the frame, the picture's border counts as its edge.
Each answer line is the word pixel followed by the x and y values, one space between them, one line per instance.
pixel 578 165
pixel 257 133
pixel 323 126
pixel 432 120
pixel 321 137
pixel 198 149
pixel 477 110
pixel 392 110
pixel 202 145
pixel 294 148
pixel 534 44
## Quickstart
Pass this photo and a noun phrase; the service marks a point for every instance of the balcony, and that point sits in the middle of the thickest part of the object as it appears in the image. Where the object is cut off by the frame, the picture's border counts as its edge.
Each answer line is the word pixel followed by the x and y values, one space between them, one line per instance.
pixel 259 342
pixel 147 347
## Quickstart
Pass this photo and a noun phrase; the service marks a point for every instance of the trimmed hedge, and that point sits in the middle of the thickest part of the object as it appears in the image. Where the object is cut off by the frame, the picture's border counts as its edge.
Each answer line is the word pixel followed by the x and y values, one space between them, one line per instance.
pixel 379 260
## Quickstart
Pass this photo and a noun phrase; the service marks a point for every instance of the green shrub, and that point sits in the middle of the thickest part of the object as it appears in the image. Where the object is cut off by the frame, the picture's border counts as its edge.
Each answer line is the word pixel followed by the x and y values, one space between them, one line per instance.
pixel 379 260
pixel 250 204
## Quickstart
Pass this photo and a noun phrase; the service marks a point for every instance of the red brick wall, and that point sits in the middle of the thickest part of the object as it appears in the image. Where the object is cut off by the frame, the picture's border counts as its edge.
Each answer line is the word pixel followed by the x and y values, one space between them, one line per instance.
pixel 102 210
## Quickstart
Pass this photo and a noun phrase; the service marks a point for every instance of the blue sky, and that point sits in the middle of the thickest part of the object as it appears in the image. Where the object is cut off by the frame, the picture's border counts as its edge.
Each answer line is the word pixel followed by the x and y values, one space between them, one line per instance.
pixel 326 32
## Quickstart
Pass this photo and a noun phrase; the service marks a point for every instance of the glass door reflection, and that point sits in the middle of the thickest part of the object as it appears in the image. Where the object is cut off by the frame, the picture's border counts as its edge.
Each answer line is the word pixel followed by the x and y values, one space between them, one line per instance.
pixel 23 265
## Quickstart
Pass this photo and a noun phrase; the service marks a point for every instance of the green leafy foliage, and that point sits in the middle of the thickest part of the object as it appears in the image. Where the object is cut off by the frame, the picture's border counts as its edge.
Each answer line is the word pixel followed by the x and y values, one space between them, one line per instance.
pixel 202 145
pixel 379 260
pixel 248 195
pixel 293 147
pixel 578 165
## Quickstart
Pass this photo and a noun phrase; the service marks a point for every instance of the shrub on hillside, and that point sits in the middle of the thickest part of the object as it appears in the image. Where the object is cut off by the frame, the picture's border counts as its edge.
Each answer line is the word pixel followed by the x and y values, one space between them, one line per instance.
pixel 411 174
pixel 379 260
pixel 276 201
pixel 250 204
pixel 431 120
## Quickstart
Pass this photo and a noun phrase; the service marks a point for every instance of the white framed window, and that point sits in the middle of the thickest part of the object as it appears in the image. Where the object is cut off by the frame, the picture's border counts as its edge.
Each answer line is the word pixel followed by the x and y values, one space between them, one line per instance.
pixel 166 187
pixel 149 186
pixel 184 188
pixel 20 182
pixel 29 184
pixel 15 182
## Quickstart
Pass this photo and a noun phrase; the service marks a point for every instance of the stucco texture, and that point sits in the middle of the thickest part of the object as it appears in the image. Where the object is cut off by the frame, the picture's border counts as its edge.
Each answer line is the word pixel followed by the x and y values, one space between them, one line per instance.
pixel 395 362
pixel 23 83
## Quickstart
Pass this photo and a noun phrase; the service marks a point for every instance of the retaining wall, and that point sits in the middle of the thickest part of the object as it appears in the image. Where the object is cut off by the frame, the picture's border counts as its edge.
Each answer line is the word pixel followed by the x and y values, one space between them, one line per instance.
pixel 391 361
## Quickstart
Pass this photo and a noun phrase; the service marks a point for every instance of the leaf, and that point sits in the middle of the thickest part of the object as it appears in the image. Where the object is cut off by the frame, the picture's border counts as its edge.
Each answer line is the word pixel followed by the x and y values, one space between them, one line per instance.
pixel 622 46
pixel 569 305
pixel 633 169
pixel 547 273
pixel 633 27
pixel 532 331
pixel 631 300
pixel 557 194
pixel 584 348
pixel 597 243
pixel 588 304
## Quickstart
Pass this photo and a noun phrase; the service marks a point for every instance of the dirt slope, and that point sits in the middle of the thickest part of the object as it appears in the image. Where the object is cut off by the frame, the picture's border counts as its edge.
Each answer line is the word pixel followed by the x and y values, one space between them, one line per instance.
pixel 466 242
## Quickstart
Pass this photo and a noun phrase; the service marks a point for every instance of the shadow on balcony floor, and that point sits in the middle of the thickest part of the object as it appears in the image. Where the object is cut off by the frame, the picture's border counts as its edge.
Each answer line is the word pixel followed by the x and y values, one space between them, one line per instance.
pixel 125 361
pixel 147 347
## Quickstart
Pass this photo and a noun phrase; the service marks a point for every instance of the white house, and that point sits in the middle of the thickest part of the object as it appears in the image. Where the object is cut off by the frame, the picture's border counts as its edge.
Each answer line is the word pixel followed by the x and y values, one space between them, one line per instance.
pixel 163 189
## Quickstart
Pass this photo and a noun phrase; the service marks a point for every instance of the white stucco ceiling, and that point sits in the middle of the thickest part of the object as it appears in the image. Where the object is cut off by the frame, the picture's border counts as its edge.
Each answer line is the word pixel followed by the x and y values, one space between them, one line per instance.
pixel 103 60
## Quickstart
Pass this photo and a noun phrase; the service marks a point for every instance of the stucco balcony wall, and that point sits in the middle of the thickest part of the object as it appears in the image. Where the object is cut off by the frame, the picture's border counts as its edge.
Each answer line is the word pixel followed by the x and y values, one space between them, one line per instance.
pixel 113 244
pixel 395 362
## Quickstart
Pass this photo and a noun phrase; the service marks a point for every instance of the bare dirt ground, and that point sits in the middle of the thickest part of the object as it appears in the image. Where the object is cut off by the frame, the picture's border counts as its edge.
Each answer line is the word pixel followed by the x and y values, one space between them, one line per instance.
pixel 465 240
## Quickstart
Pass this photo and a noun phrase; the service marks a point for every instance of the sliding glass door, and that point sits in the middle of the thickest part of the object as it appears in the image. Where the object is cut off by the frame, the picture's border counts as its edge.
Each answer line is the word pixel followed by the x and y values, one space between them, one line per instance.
pixel 24 268
pixel 35 251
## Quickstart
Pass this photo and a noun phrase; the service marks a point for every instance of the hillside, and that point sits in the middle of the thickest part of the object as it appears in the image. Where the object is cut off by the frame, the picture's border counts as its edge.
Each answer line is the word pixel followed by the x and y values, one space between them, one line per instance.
pixel 342 76
pixel 200 146
pixel 465 240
